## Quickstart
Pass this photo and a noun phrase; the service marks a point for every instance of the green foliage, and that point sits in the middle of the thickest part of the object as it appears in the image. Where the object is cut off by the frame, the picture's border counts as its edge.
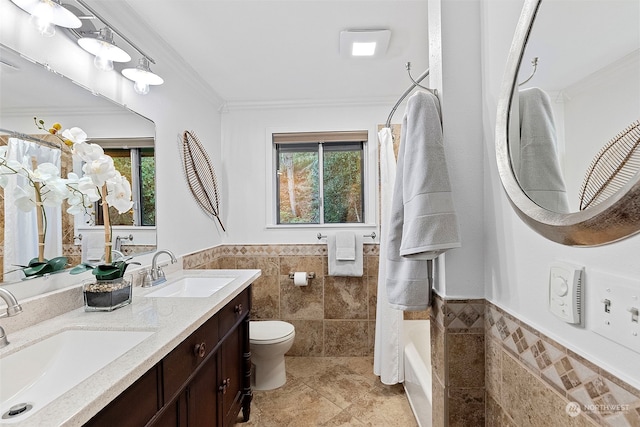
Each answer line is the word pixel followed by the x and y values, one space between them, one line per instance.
pixel 341 186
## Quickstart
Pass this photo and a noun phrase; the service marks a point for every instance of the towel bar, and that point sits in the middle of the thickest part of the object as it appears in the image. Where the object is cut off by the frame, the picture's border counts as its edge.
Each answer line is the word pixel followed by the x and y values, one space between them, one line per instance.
pixel 373 235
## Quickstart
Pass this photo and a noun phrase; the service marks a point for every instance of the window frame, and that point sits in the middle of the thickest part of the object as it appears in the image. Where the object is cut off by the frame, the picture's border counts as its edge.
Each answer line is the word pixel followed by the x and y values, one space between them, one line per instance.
pixel 88 221
pixel 316 137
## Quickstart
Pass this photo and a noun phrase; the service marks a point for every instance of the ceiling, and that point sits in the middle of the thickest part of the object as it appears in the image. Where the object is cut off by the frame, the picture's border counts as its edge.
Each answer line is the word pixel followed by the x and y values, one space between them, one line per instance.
pixel 259 51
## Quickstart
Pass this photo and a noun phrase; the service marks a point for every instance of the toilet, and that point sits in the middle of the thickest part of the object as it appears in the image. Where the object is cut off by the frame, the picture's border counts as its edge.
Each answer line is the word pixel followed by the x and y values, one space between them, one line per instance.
pixel 270 340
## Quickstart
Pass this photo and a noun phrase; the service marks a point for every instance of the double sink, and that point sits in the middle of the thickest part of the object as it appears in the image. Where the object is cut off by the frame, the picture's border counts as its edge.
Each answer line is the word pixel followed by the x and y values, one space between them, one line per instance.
pixel 39 373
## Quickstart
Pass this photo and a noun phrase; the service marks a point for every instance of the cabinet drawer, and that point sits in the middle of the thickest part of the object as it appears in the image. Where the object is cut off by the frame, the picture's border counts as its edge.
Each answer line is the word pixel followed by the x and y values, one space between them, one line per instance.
pixel 236 309
pixel 187 356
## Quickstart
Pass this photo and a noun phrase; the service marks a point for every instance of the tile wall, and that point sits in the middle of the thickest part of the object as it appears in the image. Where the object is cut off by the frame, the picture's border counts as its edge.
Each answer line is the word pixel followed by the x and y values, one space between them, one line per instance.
pixel 488 367
pixel 458 362
pixel 562 388
pixel 333 316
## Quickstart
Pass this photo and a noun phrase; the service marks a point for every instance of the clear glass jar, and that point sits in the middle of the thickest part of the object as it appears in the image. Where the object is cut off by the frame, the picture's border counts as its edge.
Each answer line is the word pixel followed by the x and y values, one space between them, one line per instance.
pixel 107 295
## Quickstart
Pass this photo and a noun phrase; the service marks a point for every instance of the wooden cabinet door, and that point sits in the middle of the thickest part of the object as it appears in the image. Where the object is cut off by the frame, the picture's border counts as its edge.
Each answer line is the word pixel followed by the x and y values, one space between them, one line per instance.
pixel 231 376
pixel 201 395
pixel 134 407
pixel 174 415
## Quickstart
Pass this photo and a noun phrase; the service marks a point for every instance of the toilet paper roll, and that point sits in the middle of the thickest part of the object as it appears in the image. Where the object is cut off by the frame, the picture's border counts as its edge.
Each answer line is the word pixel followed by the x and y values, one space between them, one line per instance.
pixel 300 278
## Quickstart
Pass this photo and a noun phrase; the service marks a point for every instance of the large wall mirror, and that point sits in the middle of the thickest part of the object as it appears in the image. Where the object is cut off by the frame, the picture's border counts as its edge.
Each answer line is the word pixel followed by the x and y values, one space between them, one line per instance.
pixel 571 96
pixel 33 90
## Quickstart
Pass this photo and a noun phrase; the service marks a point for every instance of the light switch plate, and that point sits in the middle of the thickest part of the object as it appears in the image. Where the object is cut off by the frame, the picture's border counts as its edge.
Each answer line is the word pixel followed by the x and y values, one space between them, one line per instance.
pixel 565 291
pixel 614 308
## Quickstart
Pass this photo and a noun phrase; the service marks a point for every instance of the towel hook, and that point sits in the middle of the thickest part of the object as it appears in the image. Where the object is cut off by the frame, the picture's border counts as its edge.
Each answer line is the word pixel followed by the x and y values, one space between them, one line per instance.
pixel 534 63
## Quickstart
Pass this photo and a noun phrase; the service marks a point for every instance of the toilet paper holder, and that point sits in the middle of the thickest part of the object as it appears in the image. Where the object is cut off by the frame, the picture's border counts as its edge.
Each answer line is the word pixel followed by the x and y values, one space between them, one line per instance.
pixel 310 275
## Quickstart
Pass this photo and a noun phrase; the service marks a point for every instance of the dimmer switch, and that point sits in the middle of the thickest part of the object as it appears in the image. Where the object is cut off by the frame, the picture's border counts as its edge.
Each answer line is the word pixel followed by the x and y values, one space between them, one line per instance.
pixel 565 291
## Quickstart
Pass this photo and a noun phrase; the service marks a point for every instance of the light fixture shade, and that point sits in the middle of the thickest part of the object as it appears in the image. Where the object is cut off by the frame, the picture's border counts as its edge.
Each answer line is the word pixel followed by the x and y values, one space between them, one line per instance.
pixel 142 74
pixel 104 47
pixel 364 43
pixel 51 11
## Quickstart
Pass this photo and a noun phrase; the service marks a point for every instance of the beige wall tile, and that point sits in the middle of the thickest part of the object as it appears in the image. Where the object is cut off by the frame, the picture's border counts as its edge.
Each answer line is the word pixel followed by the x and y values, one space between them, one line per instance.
pixel 466 407
pixel 437 351
pixel 346 338
pixel 265 298
pixel 309 340
pixel 345 298
pixel 301 302
pixel 466 360
pixel 530 402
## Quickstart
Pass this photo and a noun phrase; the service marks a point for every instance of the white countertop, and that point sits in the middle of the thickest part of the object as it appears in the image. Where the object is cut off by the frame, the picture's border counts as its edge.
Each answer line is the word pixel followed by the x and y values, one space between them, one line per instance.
pixel 171 319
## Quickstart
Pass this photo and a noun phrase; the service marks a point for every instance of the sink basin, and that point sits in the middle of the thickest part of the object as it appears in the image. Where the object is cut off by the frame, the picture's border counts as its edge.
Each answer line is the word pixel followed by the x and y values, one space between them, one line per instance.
pixel 192 287
pixel 40 373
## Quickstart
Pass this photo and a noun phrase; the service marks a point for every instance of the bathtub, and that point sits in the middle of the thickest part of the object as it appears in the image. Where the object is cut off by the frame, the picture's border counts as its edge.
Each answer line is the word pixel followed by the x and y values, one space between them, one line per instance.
pixel 417 369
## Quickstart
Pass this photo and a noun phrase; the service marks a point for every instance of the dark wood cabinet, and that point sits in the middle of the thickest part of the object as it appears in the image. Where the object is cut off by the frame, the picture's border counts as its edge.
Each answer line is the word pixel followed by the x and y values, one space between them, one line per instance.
pixel 204 381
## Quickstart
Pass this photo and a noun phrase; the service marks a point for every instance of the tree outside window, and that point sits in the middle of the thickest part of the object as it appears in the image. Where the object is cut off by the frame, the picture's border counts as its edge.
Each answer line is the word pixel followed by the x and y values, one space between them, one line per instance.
pixel 320 182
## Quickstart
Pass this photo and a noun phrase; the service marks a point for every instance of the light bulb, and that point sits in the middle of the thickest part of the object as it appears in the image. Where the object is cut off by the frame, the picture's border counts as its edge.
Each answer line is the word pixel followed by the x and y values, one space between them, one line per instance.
pixel 141 88
pixel 102 64
pixel 42 18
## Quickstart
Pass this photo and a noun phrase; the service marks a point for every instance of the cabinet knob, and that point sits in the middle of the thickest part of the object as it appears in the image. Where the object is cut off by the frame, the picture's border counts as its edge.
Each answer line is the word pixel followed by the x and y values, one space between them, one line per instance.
pixel 200 349
pixel 224 386
pixel 238 308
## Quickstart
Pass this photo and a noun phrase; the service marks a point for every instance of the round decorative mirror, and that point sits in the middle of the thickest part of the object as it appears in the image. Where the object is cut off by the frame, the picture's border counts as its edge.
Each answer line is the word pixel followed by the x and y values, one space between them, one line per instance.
pixel 567 131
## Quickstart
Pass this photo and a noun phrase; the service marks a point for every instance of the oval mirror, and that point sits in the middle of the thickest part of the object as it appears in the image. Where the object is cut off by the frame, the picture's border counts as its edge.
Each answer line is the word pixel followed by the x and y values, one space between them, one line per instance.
pixel 571 96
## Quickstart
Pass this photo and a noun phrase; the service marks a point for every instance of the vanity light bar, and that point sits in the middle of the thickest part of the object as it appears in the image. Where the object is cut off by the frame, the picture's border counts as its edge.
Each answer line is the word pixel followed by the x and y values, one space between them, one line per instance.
pixel 141 75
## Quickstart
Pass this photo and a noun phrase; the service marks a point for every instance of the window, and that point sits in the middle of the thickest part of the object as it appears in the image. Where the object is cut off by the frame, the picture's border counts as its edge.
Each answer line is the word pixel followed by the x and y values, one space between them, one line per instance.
pixel 137 164
pixel 320 177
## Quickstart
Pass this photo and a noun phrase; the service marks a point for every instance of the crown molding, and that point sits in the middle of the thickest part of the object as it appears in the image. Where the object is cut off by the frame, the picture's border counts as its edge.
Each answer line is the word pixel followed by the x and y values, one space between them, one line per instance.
pixel 124 17
pixel 306 103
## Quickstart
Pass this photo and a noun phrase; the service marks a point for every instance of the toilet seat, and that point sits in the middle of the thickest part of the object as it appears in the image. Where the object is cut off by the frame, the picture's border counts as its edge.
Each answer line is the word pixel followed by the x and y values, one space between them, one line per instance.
pixel 270 331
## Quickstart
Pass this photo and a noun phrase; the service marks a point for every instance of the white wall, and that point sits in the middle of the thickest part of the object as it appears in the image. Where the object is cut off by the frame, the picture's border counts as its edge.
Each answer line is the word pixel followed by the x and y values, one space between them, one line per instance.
pixel 244 178
pixel 517 259
pixel 597 109
pixel 454 61
pixel 180 104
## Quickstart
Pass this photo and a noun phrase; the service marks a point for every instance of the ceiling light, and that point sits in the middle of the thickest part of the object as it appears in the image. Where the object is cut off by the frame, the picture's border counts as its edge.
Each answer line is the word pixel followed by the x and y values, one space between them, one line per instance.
pixel 364 43
pixel 142 76
pixel 45 14
pixel 104 49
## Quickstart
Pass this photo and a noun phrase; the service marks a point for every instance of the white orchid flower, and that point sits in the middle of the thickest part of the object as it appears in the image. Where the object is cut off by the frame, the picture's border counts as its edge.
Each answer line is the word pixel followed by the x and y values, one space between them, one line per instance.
pixel 87 152
pixel 24 199
pixel 100 170
pixel 45 172
pixel 75 135
pixel 119 193
pixel 54 191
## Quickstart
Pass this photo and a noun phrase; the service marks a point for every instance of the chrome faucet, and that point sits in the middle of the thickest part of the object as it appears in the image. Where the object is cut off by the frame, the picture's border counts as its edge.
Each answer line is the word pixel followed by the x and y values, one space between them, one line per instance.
pixel 13 308
pixel 157 275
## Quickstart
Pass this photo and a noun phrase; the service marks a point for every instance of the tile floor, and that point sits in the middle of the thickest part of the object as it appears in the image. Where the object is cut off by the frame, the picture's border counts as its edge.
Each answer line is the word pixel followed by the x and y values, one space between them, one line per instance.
pixel 331 391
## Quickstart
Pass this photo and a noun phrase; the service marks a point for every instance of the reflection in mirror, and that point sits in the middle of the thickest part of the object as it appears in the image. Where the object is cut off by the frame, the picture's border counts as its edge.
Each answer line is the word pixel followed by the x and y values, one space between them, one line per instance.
pixel 31 90
pixel 584 92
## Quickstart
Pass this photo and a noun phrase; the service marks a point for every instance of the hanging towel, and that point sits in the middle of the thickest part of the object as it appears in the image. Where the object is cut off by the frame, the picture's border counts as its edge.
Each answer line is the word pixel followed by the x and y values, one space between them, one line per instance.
pixel 345 246
pixel 539 172
pixel 92 247
pixel 423 220
pixel 339 267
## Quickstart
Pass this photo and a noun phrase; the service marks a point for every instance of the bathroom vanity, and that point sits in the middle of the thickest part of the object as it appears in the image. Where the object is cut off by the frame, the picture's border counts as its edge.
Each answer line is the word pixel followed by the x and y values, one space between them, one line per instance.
pixel 192 369
pixel 205 380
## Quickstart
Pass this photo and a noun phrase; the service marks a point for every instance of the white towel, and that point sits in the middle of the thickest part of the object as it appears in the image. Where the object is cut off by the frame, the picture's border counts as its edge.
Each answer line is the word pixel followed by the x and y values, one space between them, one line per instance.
pixel 344 267
pixel 92 247
pixel 345 246
pixel 423 222
pixel 539 172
